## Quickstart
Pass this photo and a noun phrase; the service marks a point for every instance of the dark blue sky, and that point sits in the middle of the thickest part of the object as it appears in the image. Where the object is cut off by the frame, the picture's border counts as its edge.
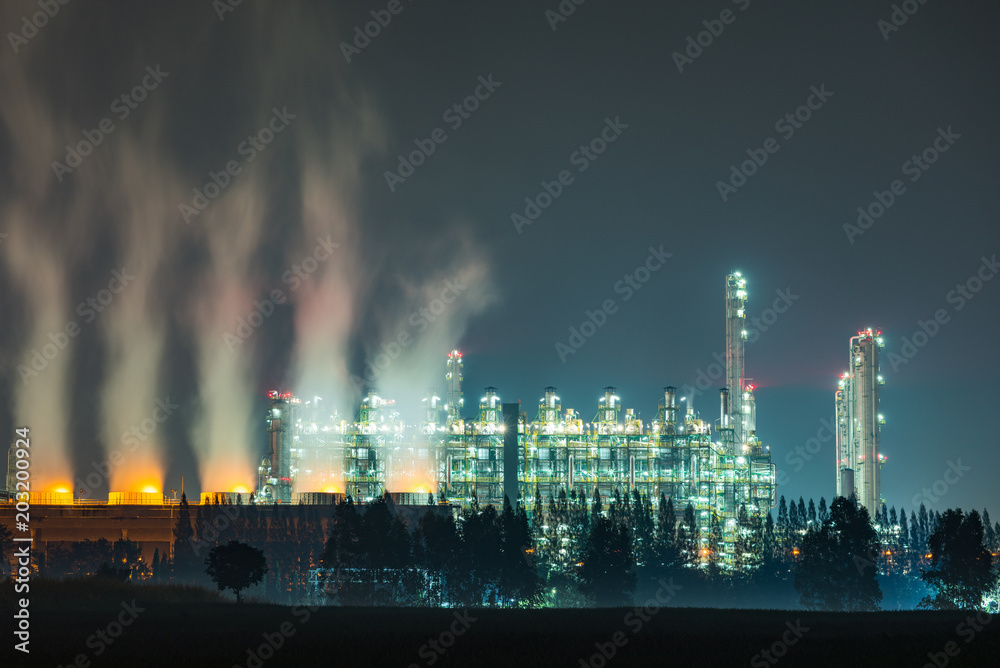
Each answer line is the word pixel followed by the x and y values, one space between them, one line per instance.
pixel 656 184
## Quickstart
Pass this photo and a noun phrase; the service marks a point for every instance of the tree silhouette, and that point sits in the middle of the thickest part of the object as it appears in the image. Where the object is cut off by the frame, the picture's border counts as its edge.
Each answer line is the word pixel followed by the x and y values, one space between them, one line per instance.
pixel 606 574
pixel 960 564
pixel 519 582
pixel 688 537
pixel 235 566
pixel 837 568
pixel 184 557
pixel 666 532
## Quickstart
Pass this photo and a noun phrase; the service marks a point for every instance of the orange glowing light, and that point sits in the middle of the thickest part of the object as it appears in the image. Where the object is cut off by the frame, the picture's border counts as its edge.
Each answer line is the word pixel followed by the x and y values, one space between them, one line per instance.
pixel 62 490
pixel 240 489
pixel 149 489
pixel 330 489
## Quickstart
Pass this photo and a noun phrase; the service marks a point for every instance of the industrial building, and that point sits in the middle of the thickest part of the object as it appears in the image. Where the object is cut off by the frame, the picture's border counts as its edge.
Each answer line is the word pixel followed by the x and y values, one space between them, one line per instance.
pixel 859 423
pixel 452 457
pixel 721 468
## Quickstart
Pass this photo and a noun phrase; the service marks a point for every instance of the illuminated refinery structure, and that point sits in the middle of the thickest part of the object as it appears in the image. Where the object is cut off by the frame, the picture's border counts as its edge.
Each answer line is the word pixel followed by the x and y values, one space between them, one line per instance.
pixel 722 469
pixel 859 423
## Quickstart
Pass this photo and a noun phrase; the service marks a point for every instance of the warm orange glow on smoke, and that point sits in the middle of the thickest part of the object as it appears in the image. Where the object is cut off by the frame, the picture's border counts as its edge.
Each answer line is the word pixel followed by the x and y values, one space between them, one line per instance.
pixel 137 474
pixel 62 487
pixel 228 476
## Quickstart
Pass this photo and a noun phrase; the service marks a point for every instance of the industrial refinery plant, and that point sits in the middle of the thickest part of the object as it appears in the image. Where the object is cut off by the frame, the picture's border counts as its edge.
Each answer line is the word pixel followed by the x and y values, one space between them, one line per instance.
pixel 859 423
pixel 456 457
pixel 721 468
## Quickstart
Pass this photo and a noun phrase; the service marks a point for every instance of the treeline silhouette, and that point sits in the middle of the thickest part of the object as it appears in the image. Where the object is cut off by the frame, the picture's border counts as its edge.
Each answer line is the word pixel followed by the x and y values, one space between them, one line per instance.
pixel 577 550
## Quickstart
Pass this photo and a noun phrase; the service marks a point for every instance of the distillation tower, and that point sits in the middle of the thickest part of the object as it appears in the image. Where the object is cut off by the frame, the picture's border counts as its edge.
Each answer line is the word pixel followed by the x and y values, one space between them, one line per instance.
pixel 859 423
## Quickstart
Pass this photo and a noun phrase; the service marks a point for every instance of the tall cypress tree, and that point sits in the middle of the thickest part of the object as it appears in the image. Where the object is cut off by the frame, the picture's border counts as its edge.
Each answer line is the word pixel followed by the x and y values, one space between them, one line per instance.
pixel 782 514
pixel 184 563
pixel 793 518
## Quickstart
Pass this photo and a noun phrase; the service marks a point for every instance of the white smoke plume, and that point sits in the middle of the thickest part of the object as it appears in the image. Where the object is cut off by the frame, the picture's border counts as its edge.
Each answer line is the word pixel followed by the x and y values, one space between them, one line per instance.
pixel 120 209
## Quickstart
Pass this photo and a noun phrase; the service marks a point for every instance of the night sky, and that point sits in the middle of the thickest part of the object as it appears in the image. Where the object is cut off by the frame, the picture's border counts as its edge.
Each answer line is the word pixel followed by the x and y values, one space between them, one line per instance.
pixel 547 88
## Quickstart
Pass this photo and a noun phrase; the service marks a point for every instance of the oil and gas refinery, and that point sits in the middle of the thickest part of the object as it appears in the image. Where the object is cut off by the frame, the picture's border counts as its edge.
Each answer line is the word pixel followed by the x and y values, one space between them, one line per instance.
pixel 720 467
pixel 859 423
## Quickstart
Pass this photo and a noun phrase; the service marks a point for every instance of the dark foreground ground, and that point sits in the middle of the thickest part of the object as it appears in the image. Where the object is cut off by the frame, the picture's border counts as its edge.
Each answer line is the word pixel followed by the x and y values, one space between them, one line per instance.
pixel 174 627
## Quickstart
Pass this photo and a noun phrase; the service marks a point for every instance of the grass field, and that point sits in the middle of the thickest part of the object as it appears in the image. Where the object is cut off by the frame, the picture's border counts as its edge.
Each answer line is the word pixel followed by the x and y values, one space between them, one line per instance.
pixel 172 626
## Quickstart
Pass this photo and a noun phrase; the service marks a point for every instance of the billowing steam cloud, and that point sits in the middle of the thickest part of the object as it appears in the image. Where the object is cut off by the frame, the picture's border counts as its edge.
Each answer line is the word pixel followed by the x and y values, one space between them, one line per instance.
pixel 132 399
pixel 190 284
pixel 42 391
pixel 38 373
pixel 226 295
pixel 326 299
pixel 427 321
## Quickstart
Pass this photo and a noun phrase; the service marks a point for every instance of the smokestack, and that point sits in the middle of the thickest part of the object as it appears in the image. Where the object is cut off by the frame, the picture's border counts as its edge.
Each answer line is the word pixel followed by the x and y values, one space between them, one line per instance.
pixel 670 404
pixel 454 377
